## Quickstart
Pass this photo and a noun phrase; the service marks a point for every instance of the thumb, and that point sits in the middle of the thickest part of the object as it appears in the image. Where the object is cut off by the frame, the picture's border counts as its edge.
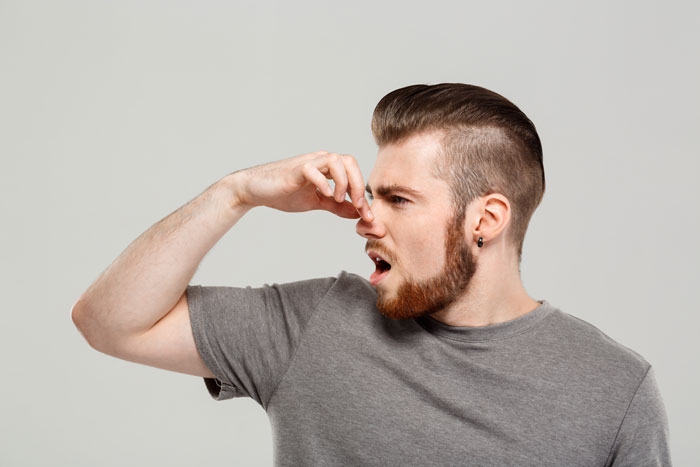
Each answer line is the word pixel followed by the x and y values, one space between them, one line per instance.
pixel 345 209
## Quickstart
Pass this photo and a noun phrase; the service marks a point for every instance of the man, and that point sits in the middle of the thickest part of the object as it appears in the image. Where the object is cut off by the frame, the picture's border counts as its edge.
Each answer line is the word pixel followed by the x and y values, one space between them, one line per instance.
pixel 441 358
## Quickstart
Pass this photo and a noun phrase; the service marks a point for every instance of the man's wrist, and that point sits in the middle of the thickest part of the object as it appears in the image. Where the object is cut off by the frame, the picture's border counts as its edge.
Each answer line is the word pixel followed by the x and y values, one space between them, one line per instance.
pixel 233 189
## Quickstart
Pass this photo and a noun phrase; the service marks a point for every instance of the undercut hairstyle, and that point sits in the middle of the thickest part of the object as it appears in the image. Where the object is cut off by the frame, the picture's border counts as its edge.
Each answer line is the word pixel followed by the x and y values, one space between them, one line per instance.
pixel 488 145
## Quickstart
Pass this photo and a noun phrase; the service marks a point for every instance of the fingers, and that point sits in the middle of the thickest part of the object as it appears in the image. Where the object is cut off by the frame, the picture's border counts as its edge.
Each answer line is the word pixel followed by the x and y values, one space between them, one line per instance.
pixel 340 177
pixel 357 187
pixel 312 174
pixel 344 209
pixel 346 175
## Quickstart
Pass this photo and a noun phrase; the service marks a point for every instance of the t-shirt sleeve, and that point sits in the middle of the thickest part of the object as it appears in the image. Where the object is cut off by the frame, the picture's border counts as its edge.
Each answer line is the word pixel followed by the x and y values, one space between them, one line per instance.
pixel 643 437
pixel 247 336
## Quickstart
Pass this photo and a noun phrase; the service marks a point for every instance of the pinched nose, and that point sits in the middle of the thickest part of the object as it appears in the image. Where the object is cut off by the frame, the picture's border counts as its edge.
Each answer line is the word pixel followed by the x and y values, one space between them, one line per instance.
pixel 373 229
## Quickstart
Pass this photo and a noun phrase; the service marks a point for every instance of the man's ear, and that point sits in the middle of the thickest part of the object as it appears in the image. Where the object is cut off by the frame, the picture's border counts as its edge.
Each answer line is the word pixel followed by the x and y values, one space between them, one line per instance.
pixel 490 216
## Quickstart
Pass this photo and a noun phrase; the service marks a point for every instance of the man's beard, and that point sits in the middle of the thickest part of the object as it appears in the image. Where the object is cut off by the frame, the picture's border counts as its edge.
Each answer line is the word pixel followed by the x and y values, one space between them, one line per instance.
pixel 414 299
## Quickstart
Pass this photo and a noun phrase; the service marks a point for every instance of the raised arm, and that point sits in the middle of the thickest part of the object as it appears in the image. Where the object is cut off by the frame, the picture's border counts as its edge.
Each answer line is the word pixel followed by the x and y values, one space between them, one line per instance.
pixel 137 308
pixel 149 278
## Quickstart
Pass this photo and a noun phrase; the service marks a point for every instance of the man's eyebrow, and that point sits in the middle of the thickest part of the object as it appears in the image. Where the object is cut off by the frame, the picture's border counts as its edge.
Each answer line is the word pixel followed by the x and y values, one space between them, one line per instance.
pixel 386 190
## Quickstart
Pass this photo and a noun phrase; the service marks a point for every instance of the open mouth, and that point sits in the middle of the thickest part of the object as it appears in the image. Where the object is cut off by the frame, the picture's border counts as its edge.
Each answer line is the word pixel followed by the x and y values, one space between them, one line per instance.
pixel 382 268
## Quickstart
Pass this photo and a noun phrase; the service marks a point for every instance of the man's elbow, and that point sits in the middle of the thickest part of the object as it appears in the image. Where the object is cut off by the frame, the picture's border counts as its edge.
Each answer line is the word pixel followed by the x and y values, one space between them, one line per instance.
pixel 78 316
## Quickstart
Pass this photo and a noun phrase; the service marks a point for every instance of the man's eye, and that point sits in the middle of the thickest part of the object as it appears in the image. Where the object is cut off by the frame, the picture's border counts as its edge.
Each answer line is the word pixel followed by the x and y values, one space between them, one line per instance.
pixel 394 199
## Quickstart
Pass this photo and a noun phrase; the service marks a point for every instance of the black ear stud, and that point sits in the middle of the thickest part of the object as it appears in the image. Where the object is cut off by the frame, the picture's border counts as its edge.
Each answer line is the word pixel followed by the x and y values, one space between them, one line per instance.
pixel 480 242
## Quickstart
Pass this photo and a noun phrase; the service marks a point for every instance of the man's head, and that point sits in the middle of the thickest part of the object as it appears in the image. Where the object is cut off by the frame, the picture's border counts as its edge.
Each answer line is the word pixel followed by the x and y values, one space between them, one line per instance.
pixel 475 161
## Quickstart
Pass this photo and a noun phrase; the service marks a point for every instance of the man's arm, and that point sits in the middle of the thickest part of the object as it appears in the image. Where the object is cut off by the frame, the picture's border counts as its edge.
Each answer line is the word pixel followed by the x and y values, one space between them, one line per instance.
pixel 643 437
pixel 150 276
pixel 137 308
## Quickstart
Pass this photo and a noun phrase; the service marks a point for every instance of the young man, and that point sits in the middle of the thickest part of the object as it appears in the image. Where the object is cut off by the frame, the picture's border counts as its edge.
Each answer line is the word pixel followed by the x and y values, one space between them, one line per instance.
pixel 441 358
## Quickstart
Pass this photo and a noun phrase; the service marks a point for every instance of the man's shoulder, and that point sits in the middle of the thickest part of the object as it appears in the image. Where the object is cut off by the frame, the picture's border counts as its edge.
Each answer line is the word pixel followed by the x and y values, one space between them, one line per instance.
pixel 354 285
pixel 345 288
pixel 355 279
pixel 590 346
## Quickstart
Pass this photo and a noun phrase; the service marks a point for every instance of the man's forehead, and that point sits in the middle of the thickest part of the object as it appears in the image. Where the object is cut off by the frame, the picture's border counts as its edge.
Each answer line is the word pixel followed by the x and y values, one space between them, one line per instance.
pixel 418 184
pixel 407 167
pixel 415 153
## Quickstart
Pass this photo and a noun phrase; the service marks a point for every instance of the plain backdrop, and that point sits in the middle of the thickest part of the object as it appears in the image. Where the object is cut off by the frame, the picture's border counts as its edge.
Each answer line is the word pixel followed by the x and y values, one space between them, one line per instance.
pixel 114 114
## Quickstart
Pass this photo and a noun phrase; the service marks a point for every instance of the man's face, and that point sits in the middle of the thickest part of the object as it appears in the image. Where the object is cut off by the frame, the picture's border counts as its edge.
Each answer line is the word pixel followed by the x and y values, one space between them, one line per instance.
pixel 431 262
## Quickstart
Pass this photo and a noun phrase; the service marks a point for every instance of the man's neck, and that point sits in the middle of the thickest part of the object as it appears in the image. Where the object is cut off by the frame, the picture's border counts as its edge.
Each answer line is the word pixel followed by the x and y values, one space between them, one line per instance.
pixel 489 301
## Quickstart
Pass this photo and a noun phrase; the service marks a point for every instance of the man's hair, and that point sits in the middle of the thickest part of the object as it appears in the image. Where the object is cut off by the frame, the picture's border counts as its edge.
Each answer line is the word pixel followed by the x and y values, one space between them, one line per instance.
pixel 488 145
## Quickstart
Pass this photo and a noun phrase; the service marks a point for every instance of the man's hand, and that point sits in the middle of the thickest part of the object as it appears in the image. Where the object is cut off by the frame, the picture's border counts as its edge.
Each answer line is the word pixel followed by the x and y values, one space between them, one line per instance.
pixel 298 184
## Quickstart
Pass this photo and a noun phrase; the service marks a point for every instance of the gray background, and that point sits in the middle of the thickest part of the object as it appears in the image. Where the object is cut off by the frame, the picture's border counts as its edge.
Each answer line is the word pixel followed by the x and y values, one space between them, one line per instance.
pixel 114 114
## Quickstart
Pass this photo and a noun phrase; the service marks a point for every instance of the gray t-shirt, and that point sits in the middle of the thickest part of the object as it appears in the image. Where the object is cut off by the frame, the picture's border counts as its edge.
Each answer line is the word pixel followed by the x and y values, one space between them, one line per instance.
pixel 343 385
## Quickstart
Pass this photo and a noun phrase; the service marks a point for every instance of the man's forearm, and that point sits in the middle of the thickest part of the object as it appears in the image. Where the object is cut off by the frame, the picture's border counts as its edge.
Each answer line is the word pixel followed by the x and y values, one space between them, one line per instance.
pixel 151 274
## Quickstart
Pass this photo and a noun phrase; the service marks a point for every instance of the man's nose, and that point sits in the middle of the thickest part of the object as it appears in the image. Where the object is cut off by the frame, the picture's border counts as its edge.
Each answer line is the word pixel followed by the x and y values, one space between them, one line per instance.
pixel 373 229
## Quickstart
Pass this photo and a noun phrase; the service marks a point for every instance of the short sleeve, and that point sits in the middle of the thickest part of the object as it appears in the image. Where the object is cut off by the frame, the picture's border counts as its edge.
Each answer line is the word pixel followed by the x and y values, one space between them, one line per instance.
pixel 643 437
pixel 247 336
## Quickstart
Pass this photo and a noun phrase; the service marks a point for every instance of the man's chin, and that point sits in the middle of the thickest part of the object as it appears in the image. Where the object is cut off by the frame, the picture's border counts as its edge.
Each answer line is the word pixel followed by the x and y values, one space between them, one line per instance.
pixel 393 308
pixel 391 313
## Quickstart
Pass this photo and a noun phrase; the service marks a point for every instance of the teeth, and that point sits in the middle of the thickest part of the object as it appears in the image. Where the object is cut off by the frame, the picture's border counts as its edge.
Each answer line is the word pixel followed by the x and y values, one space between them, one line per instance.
pixel 378 259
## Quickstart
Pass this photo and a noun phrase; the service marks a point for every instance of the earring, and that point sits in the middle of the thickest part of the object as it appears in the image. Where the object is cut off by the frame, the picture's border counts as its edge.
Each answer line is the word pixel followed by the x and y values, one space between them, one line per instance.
pixel 480 243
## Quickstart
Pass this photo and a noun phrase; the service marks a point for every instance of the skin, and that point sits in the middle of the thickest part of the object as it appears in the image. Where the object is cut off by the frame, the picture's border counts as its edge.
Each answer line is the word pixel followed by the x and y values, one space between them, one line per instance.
pixel 437 269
